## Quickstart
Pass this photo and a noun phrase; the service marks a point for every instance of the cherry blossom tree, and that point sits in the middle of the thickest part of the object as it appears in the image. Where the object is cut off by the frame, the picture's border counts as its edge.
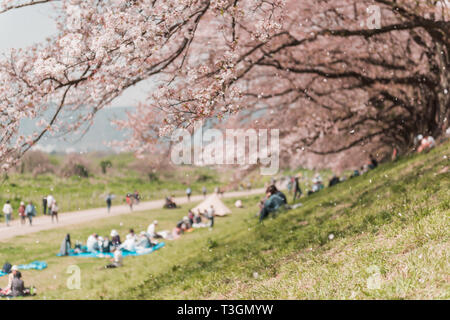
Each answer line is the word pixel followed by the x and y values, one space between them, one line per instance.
pixel 334 76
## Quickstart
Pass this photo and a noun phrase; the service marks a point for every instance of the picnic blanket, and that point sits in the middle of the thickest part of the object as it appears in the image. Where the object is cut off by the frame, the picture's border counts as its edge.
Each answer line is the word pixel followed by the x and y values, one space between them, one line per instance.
pixel 125 253
pixel 36 265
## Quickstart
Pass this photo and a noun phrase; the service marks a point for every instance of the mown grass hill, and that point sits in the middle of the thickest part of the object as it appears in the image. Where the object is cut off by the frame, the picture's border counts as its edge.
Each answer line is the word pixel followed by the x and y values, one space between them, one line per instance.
pixel 383 235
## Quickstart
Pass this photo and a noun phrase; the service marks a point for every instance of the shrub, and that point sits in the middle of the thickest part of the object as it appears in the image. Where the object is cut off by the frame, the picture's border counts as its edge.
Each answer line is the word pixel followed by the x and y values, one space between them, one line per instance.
pixel 74 165
pixel 153 177
pixel 105 164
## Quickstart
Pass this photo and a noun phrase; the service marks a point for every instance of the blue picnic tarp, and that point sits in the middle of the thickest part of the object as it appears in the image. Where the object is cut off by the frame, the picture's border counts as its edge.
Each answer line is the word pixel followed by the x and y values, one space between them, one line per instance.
pixel 109 254
pixel 36 265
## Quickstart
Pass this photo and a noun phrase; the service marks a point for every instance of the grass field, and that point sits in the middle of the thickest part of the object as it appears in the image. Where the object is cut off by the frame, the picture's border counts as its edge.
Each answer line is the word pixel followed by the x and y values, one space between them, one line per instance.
pixel 384 235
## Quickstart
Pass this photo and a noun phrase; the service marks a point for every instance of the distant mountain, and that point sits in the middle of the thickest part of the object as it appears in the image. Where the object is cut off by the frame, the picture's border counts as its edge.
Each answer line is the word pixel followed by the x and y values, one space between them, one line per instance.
pixel 96 139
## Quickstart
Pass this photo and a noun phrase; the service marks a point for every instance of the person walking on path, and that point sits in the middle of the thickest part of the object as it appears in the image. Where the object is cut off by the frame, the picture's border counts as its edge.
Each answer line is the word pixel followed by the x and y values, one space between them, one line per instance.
pixel 44 205
pixel 204 191
pixel 136 196
pixel 22 214
pixel 7 210
pixel 109 198
pixel 30 211
pixel 50 201
pixel 129 201
pixel 54 210
pixel 189 193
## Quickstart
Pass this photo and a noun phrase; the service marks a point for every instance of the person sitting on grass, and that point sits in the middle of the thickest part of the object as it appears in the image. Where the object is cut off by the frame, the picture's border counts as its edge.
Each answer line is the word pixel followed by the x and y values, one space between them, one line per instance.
pixel 117 260
pixel 129 244
pixel 333 181
pixel 144 241
pixel 183 225
pixel 7 290
pixel 132 234
pixel 115 238
pixel 426 143
pixel 355 173
pixel 198 221
pixel 273 190
pixel 191 216
pixel 318 185
pixel 273 203
pixel 373 162
pixel 92 243
pixel 169 203
pixel 198 217
pixel 65 246
pixel 186 223
pixel 151 230
pixel 18 286
pixel 105 245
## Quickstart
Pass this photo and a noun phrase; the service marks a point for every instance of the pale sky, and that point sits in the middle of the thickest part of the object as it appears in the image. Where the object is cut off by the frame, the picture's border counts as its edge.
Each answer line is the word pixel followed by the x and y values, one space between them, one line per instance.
pixel 26 26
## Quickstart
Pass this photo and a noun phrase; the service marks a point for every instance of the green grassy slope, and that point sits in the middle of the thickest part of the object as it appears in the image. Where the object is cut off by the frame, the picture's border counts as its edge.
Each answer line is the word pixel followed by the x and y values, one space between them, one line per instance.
pixel 382 235
pixel 391 224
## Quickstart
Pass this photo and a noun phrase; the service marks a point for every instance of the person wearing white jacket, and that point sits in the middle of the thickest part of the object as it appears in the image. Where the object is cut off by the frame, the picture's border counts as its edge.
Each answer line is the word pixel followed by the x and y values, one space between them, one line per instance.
pixel 7 210
pixel 129 244
pixel 50 201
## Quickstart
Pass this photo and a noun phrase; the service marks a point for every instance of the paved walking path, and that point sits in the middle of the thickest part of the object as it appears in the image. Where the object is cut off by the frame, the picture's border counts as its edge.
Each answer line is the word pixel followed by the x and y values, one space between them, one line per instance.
pixel 71 218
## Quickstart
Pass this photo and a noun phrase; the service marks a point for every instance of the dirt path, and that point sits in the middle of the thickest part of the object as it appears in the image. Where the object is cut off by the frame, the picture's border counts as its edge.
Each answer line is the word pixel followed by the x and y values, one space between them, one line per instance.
pixel 72 218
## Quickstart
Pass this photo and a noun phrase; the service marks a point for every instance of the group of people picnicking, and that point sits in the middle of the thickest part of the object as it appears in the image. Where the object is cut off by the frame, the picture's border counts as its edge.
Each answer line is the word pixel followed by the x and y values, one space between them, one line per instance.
pixel 113 244
pixel 15 286
pixel 137 242
pixel 275 199
pixel 28 211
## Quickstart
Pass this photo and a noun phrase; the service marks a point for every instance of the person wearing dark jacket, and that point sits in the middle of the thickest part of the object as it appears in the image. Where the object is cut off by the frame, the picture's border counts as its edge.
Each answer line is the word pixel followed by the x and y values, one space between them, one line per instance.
pixel 373 162
pixel 333 181
pixel 273 203
pixel 44 205
pixel 272 189
pixel 297 189
pixel 17 285
pixel 115 239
